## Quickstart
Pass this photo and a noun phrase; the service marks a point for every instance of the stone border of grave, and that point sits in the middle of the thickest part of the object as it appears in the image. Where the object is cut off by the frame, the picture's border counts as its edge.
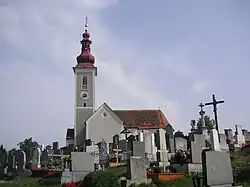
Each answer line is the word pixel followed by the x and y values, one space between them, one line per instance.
pixel 165 176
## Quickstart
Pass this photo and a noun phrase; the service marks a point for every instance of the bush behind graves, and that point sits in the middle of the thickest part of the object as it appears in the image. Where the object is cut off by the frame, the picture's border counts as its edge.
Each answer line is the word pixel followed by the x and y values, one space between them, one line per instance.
pixel 100 179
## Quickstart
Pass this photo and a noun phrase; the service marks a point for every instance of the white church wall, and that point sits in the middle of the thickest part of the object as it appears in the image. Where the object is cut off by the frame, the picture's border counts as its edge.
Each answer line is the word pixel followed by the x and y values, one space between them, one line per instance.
pixel 103 125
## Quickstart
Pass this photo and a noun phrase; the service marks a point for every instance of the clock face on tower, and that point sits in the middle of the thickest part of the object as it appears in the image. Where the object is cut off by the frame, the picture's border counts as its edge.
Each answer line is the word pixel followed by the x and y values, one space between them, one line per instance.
pixel 83 95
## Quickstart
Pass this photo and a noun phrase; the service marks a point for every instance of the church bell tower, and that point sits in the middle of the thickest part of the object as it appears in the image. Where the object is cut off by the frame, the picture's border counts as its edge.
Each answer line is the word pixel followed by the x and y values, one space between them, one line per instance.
pixel 85 72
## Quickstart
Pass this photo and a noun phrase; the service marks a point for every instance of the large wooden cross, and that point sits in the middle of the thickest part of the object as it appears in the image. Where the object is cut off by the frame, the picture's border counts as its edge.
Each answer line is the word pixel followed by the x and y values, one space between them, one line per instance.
pixel 214 103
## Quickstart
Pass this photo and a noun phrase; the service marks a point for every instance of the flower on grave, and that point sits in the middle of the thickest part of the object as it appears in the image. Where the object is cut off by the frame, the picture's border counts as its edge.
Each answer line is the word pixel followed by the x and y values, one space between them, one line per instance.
pixel 149 171
pixel 70 184
pixel 182 155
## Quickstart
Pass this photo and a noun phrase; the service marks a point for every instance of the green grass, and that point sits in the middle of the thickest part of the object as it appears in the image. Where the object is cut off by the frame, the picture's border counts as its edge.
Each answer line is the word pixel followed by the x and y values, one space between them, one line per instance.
pixel 25 182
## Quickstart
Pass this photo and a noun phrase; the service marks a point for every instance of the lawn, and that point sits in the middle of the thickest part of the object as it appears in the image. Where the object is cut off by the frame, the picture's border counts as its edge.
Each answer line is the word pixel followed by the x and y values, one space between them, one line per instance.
pixel 118 171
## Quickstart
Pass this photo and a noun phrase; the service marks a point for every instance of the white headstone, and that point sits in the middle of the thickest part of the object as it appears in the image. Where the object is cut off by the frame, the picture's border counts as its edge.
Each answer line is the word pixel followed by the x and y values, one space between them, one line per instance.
pixel 161 133
pixel 36 158
pixel 141 136
pixel 153 146
pixel 94 151
pixel 150 148
pixel 82 161
pixel 240 138
pixel 215 140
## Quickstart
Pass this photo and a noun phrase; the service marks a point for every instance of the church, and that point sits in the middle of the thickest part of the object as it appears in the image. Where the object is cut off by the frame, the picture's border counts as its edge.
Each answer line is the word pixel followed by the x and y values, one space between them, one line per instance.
pixel 95 125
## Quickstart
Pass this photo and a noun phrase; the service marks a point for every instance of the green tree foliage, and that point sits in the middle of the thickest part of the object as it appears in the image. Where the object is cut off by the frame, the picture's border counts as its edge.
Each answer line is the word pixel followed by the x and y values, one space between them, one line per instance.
pixel 208 122
pixel 27 145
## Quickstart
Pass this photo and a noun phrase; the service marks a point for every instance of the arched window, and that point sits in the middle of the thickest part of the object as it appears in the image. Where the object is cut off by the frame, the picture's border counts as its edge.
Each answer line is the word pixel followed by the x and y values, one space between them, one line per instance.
pixel 84 83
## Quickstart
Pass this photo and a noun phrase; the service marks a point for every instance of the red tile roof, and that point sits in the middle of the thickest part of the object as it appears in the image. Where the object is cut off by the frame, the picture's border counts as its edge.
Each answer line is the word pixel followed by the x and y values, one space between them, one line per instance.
pixel 142 119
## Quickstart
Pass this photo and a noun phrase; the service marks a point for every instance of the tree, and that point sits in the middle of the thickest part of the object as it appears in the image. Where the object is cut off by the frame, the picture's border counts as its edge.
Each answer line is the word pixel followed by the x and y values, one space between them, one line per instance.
pixel 27 145
pixel 208 122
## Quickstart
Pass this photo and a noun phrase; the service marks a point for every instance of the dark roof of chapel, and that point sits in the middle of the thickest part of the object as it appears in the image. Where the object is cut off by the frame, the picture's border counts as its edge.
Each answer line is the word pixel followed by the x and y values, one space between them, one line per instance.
pixel 142 119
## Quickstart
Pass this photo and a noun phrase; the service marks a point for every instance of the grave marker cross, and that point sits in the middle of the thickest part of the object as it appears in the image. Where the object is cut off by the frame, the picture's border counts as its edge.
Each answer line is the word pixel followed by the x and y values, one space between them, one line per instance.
pixel 214 103
pixel 126 131
pixel 117 153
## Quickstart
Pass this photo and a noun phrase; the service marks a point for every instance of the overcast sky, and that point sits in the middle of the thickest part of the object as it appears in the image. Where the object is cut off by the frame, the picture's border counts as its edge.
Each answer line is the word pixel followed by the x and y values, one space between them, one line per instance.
pixel 169 54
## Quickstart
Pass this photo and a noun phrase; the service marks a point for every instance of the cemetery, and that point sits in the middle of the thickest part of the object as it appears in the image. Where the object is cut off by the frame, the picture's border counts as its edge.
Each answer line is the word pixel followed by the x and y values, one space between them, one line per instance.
pixel 133 147
pixel 146 159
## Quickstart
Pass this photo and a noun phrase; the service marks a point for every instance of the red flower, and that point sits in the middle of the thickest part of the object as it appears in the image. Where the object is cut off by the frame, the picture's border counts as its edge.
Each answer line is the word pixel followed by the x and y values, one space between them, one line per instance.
pixel 150 171
pixel 70 184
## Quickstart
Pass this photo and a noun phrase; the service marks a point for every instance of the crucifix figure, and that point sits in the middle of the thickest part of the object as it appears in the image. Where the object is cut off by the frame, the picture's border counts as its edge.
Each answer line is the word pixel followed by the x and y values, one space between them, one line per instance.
pixel 214 103
pixel 202 127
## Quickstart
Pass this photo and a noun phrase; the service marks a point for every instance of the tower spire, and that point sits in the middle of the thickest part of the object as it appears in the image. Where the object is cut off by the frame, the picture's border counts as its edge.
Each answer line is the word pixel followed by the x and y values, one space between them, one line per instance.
pixel 86 24
pixel 86 58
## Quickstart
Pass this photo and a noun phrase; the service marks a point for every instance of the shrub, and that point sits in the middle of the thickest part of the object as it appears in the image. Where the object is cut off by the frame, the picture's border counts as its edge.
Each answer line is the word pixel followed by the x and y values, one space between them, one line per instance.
pixel 100 179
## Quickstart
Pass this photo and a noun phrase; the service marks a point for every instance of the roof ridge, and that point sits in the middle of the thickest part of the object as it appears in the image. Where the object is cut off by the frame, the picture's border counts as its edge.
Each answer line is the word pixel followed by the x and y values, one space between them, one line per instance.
pixel 137 110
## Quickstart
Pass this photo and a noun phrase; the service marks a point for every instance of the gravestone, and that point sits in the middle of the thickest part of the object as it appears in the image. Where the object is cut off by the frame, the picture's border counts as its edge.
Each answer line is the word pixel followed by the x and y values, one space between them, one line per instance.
pixel 215 144
pixel 138 149
pixel 137 170
pixel 180 143
pixel 223 143
pixel 3 162
pixel 240 139
pixel 94 151
pixel 170 138
pixel 197 145
pixel 55 146
pixel 82 161
pixel 45 158
pixel 217 169
pixel 122 145
pixel 140 137
pixel 103 154
pixel 11 162
pixel 115 141
pixel 160 139
pixel 131 139
pixel 36 158
pixel 150 147
pixel 162 153
pixel 81 164
pixel 229 134
pixel 20 157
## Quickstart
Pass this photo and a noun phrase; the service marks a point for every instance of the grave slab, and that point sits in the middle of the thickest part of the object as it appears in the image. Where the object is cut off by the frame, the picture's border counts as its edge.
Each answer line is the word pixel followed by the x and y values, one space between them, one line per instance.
pixel 138 149
pixel 217 168
pixel 82 161
pixel 137 169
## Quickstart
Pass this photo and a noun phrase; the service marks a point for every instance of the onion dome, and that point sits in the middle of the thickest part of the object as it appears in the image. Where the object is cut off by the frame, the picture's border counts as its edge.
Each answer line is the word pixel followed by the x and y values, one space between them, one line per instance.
pixel 86 56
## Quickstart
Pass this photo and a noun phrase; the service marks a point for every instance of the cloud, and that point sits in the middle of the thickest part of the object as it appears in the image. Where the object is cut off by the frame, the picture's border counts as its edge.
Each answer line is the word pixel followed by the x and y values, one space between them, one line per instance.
pixel 199 87
pixel 39 42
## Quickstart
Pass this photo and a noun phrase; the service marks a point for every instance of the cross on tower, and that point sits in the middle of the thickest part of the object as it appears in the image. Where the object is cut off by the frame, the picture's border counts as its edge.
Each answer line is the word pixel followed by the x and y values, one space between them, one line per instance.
pixel 86 23
pixel 214 103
